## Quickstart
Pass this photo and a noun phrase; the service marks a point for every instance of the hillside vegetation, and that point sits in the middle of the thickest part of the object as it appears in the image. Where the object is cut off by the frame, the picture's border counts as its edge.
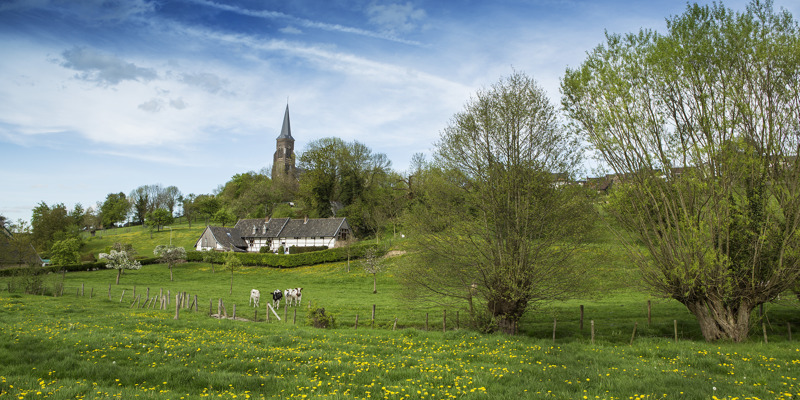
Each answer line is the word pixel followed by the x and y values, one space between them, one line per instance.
pixel 85 345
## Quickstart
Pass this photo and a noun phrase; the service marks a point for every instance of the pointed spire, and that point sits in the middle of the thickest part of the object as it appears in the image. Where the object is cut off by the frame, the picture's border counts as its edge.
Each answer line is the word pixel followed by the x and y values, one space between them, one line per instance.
pixel 286 130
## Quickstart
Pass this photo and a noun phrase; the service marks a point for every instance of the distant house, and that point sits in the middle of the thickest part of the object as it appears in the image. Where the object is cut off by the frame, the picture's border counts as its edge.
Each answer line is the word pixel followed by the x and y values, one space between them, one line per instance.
pixel 250 235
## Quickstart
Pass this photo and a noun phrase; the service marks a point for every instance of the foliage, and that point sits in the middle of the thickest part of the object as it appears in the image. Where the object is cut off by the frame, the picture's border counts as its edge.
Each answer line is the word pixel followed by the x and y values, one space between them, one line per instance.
pixel 170 255
pixel 232 263
pixel 146 199
pixel 66 251
pixel 119 260
pixel 250 195
pixel 340 174
pixel 318 318
pixel 50 224
pixel 28 279
pixel 700 125
pixel 223 216
pixel 491 226
pixel 281 260
pixel 114 209
pixel 373 264
pixel 159 218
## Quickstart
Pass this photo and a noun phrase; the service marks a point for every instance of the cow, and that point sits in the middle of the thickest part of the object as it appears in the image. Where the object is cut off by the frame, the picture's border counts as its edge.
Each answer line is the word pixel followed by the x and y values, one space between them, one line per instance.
pixel 293 296
pixel 277 295
pixel 255 296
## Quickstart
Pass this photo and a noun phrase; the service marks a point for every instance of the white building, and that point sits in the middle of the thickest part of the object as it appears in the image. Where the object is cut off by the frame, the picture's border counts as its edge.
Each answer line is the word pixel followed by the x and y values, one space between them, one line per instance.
pixel 250 235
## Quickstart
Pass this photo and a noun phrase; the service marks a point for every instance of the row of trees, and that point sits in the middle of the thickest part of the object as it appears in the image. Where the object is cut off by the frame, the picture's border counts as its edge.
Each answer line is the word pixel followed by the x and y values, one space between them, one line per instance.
pixel 702 127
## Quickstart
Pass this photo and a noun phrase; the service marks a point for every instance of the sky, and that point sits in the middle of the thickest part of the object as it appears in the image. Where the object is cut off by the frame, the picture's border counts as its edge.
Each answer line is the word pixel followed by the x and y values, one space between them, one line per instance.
pixel 104 96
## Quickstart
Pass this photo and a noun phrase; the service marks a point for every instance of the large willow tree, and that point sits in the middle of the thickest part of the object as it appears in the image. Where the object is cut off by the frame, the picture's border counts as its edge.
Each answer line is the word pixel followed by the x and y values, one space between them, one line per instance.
pixel 701 126
pixel 493 227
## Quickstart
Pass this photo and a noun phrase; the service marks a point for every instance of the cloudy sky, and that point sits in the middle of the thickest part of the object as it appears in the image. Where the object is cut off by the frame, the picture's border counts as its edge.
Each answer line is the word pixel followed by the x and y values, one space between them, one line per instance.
pixel 102 96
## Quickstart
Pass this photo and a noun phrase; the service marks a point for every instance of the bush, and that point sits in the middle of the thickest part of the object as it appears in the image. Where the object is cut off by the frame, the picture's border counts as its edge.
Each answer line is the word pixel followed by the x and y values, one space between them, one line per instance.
pixel 300 250
pixel 287 260
pixel 319 319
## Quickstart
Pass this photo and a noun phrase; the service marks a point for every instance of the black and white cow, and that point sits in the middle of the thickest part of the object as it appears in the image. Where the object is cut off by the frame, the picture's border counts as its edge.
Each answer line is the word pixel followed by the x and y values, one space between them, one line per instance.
pixel 277 295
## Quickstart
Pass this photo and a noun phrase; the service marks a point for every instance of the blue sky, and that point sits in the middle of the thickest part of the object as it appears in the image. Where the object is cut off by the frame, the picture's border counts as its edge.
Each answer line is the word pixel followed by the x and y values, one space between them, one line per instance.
pixel 103 96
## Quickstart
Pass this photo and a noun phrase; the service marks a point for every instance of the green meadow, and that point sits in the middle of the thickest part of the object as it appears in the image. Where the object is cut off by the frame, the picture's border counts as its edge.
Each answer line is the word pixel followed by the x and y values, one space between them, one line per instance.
pixel 93 341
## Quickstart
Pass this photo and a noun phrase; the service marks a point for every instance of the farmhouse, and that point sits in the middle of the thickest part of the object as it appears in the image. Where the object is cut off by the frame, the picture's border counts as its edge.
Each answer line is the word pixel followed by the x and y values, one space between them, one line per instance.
pixel 250 235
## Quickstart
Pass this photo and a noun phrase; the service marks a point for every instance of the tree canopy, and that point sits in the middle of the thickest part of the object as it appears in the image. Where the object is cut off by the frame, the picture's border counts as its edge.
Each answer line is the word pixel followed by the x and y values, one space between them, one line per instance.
pixel 701 125
pixel 489 224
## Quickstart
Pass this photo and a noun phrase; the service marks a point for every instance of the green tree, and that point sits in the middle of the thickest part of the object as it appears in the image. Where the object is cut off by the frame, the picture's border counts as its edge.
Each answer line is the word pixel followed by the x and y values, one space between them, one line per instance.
pixel 250 195
pixel 170 255
pixel 224 217
pixel 700 124
pixel 232 263
pixel 490 227
pixel 66 252
pixel 206 206
pixel 50 224
pixel 158 218
pixel 337 172
pixel 115 209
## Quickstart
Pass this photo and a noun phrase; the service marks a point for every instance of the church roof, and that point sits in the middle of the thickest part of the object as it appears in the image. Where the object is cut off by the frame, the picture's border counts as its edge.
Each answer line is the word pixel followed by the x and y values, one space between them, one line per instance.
pixel 286 130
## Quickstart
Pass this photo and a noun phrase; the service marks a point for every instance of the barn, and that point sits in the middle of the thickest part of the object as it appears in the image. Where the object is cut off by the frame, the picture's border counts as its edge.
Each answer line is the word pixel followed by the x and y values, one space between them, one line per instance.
pixel 250 235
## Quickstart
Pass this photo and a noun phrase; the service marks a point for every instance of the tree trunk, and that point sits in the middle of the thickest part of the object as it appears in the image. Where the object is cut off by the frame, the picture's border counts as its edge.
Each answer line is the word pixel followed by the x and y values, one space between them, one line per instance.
pixel 170 272
pixel 119 272
pixel 231 292
pixel 374 283
pixel 507 313
pixel 720 321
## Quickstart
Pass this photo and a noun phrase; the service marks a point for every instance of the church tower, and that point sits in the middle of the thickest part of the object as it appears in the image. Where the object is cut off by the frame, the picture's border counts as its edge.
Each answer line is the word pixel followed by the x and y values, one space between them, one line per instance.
pixel 283 161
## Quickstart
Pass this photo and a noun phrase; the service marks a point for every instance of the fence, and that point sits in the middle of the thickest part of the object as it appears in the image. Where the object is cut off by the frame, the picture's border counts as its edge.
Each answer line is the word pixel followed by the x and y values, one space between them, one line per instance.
pixel 186 301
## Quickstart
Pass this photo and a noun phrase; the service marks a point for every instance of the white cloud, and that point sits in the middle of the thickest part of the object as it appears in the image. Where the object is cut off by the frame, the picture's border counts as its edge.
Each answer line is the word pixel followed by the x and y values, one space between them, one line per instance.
pixel 103 68
pixel 395 18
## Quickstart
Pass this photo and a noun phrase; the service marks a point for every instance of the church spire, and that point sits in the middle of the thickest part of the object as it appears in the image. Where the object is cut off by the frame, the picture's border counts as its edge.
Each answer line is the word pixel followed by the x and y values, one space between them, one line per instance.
pixel 286 130
pixel 283 162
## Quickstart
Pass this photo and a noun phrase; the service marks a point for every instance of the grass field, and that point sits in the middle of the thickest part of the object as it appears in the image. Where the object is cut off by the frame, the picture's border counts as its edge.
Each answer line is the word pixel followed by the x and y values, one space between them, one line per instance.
pixel 87 345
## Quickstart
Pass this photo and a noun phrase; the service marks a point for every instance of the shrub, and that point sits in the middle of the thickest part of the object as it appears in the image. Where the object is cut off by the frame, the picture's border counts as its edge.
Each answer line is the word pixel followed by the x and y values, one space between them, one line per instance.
pixel 319 319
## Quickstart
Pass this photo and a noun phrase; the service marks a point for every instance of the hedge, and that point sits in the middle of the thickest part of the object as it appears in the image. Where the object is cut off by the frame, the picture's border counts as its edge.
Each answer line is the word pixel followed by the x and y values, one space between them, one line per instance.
pixel 250 259
pixel 89 266
pixel 285 260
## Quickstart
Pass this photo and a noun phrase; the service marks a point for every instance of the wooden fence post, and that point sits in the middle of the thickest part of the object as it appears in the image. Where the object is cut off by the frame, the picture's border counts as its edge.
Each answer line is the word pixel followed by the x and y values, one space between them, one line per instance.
pixel 109 291
pixel 234 311
pixel 285 309
pixel 356 327
pixel 444 321
pixel 195 303
pixel 134 290
pixel 395 324
pixel 177 306
pixel 210 307
pixel 554 329
pixel 581 317
pixel 82 289
pixel 123 296
pixel 294 320
pixel 675 325
pixel 91 293
pixel 148 293
pixel 633 335
pixel 592 324
pixel 373 316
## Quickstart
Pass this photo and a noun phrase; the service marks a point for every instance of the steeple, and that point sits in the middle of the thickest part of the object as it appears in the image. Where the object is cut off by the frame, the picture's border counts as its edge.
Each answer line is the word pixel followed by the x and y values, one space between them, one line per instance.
pixel 283 163
pixel 286 130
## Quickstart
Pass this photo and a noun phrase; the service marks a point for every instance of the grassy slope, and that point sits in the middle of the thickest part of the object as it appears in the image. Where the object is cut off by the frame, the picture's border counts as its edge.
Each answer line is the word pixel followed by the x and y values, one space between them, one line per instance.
pixel 76 346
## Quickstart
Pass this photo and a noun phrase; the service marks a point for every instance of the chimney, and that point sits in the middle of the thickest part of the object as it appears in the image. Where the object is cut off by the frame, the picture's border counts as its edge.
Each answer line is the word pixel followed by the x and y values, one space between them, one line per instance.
pixel 305 221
